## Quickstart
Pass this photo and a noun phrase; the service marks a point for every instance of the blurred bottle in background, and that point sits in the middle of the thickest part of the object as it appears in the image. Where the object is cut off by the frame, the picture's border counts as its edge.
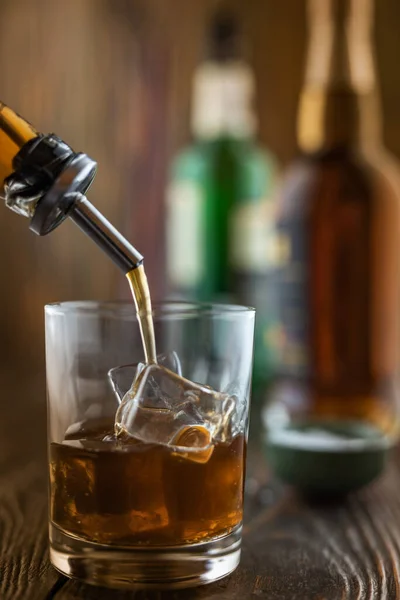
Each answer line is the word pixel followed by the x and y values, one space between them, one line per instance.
pixel 338 222
pixel 220 207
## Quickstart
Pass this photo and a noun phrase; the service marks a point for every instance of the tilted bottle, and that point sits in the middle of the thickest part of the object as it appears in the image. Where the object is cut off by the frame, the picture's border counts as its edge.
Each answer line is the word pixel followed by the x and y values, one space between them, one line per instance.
pixel 44 179
pixel 338 222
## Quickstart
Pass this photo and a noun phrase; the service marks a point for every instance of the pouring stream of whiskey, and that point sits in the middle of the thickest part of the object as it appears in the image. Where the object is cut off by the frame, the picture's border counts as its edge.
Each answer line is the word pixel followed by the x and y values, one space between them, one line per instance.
pixel 141 296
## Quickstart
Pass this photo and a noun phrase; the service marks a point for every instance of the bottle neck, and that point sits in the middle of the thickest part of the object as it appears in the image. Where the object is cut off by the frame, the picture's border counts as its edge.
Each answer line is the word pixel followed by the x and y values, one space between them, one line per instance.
pixel 222 101
pixel 339 103
pixel 15 132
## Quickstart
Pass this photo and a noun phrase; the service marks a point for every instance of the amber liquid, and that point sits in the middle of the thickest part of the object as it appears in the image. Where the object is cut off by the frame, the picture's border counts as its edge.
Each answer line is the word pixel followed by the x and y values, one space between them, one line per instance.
pixel 111 488
pixel 15 132
pixel 108 487
pixel 141 296
pixel 143 494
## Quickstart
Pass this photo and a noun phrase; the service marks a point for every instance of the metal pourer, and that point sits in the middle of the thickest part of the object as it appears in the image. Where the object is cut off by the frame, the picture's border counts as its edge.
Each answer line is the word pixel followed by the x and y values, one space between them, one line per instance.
pixel 48 185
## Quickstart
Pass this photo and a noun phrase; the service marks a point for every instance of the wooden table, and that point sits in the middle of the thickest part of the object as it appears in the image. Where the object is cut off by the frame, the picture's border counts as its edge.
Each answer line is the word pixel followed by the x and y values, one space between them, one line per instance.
pixel 291 550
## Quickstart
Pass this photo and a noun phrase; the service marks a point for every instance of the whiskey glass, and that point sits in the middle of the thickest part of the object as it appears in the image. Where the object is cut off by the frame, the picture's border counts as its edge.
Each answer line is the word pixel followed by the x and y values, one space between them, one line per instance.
pixel 137 513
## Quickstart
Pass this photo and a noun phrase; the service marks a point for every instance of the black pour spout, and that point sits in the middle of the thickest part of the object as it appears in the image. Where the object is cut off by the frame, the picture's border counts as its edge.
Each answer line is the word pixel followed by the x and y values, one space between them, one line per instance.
pixel 48 184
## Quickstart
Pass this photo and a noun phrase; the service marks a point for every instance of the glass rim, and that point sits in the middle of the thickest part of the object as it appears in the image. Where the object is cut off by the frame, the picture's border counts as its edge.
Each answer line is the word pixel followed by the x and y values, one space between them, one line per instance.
pixel 167 308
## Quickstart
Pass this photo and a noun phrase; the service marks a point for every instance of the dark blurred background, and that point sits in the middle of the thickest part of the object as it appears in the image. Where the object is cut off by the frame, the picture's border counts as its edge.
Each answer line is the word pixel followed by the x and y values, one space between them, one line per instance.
pixel 113 78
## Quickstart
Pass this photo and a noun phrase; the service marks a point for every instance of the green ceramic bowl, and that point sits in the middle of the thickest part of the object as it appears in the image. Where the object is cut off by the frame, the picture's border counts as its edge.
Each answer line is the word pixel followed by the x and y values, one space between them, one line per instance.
pixel 326 458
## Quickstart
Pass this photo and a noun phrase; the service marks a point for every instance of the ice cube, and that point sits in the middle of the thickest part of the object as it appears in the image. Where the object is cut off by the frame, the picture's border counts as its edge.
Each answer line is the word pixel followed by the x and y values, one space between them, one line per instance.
pixel 164 408
pixel 121 378
pixel 240 394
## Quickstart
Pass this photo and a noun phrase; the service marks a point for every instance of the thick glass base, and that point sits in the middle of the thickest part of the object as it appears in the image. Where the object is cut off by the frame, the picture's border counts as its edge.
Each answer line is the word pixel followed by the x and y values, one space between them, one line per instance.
pixel 168 567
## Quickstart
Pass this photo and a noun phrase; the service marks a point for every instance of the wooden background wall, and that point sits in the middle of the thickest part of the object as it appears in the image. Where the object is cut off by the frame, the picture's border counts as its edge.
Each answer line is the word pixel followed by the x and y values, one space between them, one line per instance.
pixel 113 78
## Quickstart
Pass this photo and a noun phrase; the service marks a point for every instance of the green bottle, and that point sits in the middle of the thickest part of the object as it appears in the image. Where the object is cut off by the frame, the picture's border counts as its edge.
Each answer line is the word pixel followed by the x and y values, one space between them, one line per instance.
pixel 221 241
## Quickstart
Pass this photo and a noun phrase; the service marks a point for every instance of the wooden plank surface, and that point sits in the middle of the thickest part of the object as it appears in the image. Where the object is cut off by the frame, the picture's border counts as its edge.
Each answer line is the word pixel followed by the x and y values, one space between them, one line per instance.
pixel 291 550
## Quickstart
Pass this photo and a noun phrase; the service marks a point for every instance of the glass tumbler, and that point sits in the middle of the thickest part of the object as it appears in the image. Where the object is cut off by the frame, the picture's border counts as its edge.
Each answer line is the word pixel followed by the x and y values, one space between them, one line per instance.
pixel 150 509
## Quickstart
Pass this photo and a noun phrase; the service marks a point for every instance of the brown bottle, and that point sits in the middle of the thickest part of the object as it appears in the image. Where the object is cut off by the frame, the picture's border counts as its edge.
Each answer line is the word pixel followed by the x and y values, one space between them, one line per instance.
pixel 338 221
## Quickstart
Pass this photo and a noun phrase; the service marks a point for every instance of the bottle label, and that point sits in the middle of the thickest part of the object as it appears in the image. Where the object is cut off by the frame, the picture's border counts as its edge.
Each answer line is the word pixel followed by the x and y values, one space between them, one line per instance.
pixel 184 234
pixel 222 100
pixel 253 240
